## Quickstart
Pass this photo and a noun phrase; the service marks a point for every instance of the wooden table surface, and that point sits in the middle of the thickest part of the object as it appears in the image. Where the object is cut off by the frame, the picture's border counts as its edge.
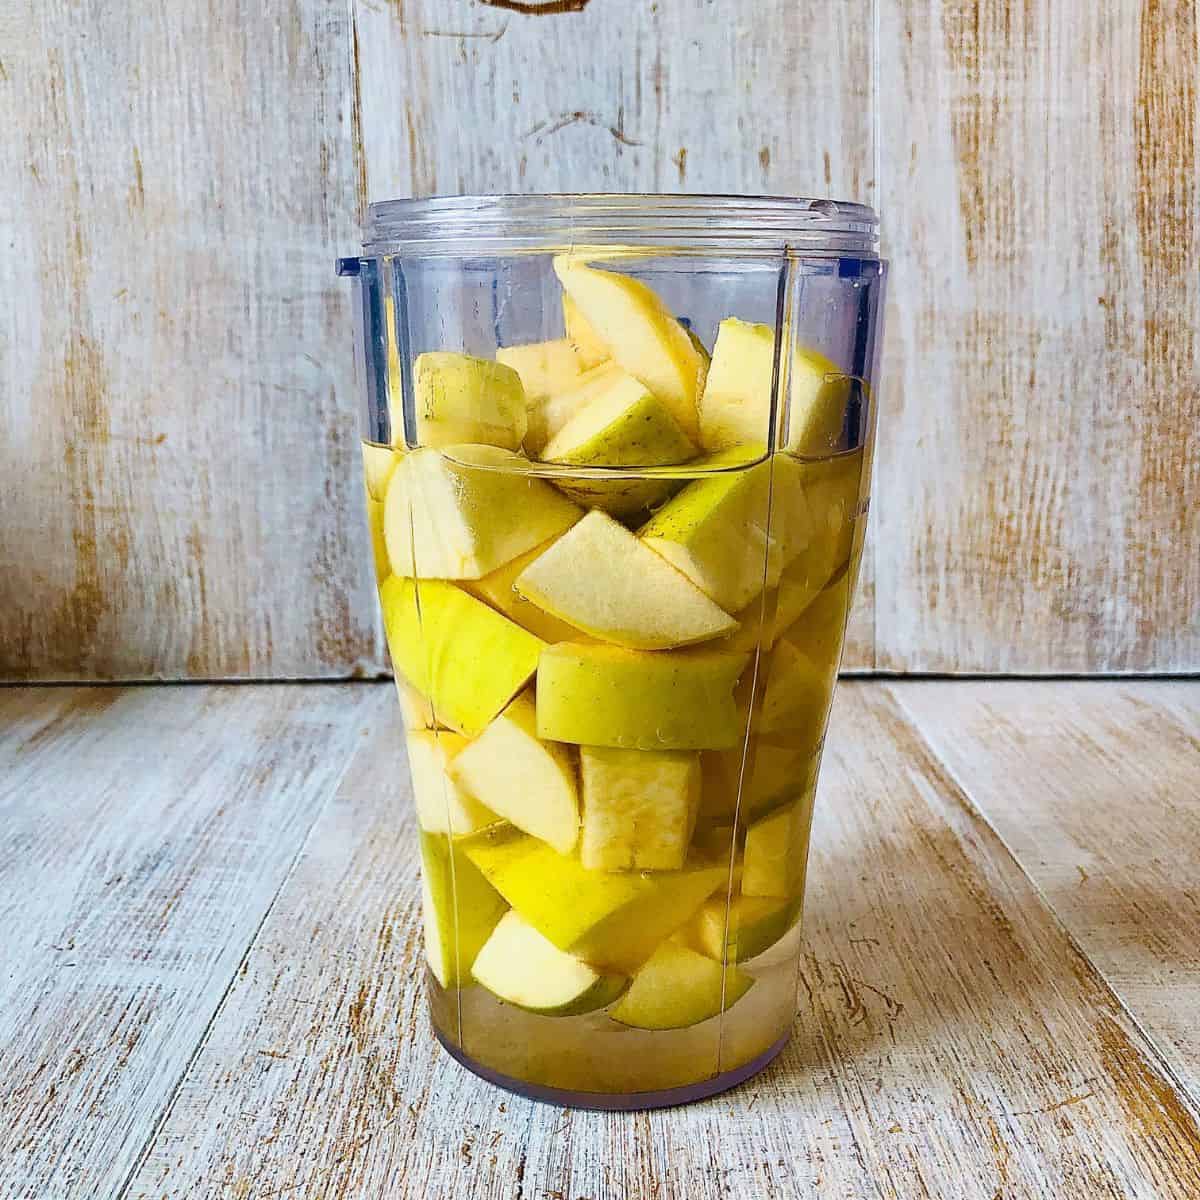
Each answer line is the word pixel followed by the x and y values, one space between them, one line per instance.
pixel 210 946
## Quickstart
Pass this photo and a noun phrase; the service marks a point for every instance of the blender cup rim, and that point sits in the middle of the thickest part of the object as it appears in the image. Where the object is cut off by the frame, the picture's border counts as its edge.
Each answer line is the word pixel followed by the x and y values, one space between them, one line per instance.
pixel 554 221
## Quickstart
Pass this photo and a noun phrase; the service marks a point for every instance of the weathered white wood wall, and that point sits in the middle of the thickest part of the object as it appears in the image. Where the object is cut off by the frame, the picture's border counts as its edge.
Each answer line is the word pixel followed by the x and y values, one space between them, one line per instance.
pixel 178 415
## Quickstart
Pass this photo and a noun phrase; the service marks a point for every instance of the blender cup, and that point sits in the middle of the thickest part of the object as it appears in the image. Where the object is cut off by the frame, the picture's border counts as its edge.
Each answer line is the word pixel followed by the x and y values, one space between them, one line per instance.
pixel 617 455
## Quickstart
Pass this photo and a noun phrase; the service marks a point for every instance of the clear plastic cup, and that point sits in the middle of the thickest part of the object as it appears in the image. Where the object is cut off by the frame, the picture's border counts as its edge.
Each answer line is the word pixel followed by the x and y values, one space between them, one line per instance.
pixel 617 454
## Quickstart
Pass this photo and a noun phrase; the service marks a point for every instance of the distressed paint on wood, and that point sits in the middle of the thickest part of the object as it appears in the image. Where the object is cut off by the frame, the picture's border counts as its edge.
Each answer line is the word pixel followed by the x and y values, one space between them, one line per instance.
pixel 179 188
pixel 143 836
pixel 1038 488
pixel 1095 788
pixel 181 491
pixel 953 1041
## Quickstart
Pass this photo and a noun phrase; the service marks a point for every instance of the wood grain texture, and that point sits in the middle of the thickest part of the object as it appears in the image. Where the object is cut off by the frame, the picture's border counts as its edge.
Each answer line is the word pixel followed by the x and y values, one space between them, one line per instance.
pixel 143 836
pixel 1095 787
pixel 180 487
pixel 952 1041
pixel 1038 484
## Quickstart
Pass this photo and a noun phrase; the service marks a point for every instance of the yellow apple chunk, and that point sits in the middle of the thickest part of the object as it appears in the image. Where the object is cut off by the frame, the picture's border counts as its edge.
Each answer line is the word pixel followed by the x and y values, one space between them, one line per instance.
pixel 641 333
pixel 600 695
pixel 732 533
pixel 463 400
pixel 818 392
pixel 497 590
pixel 743 929
pixel 623 426
pixel 589 349
pixel 610 920
pixel 545 368
pixel 444 519
pixel 442 805
pixel 513 772
pixel 378 464
pixel 466 659
pixel 736 405
pixel 523 968
pixel 415 709
pixel 548 414
pixel 454 932
pixel 776 855
pixel 601 579
pixel 772 772
pixel 639 808
pixel 379 554
pixel 679 987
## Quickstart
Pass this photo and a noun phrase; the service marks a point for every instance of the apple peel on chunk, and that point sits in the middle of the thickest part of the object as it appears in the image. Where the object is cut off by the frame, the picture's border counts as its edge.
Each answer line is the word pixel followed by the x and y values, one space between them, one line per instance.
pixel 640 332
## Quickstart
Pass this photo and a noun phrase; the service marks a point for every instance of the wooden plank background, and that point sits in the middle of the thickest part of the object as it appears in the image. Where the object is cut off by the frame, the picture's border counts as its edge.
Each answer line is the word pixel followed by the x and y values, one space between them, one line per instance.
pixel 178 490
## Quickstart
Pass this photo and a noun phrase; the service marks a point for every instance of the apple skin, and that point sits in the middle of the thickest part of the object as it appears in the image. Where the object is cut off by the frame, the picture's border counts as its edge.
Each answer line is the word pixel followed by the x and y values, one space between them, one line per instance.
pixel 679 987
pixel 523 968
pixel 640 332
pixel 465 658
pixel 460 399
pixel 623 425
pixel 750 926
pixel 612 920
pixel 601 695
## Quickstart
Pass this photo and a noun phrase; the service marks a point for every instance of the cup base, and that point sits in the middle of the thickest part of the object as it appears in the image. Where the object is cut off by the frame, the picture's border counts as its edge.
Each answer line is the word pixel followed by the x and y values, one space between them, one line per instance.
pixel 617 1102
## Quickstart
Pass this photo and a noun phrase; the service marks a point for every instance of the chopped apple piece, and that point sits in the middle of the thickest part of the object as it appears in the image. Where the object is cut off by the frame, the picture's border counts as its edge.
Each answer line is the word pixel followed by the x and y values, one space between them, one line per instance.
pixel 463 657
pixel 589 349
pixel 379 554
pixel 733 533
pixel 715 530
pixel 735 407
pixel 797 691
pixel 743 929
pixel 445 519
pixel 550 413
pixel 736 404
pixel 639 330
pixel 442 806
pixel 679 987
pixel 639 808
pixel 603 580
pixel 414 708
pixel 776 856
pixel 624 426
pixel 523 968
pixel 609 920
pixel 498 591
pixel 378 464
pixel 516 774
pixel 600 695
pixel 818 392
pixel 454 932
pixel 773 772
pixel 545 368
pixel 461 400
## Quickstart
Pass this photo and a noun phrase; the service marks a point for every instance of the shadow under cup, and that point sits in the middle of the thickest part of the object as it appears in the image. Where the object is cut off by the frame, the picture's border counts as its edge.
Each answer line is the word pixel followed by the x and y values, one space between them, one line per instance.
pixel 617 456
